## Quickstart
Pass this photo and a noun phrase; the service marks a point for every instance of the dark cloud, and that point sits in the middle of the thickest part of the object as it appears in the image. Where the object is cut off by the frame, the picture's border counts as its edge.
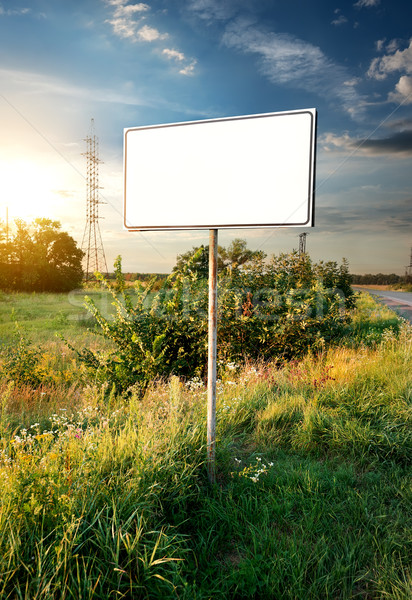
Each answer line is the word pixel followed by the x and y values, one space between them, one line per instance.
pixel 393 215
pixel 398 143
pixel 401 125
pixel 335 219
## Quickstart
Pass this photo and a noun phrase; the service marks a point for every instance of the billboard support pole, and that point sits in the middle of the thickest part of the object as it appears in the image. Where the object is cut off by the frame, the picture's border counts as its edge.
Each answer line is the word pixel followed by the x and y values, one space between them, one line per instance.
pixel 212 357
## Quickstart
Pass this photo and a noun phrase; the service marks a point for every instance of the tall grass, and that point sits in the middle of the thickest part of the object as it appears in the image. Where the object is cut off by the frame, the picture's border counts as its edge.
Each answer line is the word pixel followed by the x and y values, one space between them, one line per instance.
pixel 103 498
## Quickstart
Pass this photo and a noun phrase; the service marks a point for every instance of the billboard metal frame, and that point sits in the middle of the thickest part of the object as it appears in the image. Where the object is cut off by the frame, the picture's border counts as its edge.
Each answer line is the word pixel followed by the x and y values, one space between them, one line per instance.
pixel 307 221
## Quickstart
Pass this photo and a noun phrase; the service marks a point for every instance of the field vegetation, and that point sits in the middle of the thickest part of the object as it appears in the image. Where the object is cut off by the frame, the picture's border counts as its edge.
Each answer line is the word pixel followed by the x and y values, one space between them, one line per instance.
pixel 104 491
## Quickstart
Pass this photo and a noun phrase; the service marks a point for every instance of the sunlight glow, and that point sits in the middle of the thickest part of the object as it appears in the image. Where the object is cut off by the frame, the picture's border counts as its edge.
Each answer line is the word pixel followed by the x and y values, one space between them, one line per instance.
pixel 28 189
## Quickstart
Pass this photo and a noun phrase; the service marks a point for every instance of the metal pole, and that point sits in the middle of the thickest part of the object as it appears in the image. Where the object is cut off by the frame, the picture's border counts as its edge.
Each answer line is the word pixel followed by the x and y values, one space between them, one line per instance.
pixel 212 352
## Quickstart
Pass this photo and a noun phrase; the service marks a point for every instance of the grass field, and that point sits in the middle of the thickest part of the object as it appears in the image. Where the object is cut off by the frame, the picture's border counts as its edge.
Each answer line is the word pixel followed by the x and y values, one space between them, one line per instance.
pixel 43 315
pixel 106 498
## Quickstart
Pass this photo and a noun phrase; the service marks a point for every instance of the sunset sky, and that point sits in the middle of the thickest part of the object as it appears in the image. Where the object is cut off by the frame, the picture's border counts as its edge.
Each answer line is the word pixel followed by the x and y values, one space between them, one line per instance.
pixel 125 64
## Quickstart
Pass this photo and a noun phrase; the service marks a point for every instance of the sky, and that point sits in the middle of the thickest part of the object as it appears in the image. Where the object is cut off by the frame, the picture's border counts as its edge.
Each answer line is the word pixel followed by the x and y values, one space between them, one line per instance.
pixel 128 64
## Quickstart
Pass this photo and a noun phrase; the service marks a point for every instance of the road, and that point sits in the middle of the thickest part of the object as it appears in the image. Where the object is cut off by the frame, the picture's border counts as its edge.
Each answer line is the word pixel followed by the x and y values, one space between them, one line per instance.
pixel 400 302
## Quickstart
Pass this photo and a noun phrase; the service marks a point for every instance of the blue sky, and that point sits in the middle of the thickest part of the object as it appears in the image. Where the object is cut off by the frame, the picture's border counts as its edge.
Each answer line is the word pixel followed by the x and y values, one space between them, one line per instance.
pixel 127 64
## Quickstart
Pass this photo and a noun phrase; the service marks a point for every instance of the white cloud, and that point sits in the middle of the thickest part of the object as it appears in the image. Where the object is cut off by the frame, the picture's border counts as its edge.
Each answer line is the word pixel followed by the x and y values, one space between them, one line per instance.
pixel 127 22
pixel 123 28
pixel 14 12
pixel 396 60
pixel 403 91
pixel 400 60
pixel 189 69
pixel 150 34
pixel 211 10
pixel 285 59
pixel 130 9
pixel 179 57
pixel 352 82
pixel 173 54
pixel 366 3
pixel 122 4
pixel 392 46
pixel 339 21
pixel 331 141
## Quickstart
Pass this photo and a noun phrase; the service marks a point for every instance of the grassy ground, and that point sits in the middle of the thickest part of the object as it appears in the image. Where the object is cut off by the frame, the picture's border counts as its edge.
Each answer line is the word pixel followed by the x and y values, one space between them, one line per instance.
pixel 102 498
pixel 42 315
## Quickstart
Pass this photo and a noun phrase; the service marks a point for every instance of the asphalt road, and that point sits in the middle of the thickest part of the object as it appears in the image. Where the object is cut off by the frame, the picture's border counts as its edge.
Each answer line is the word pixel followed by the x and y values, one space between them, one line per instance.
pixel 400 302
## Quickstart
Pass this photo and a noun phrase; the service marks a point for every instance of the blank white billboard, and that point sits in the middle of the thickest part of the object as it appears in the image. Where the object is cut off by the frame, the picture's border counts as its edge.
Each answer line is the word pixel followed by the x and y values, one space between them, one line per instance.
pixel 237 172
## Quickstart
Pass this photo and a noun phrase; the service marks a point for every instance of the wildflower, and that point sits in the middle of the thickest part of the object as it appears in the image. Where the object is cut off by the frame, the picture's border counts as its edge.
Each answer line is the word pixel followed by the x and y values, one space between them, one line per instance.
pixel 231 366
pixel 194 384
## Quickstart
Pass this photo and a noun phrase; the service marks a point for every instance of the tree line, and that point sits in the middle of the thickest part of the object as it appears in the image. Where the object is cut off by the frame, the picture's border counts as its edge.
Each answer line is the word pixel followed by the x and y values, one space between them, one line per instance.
pixel 39 257
pixel 380 279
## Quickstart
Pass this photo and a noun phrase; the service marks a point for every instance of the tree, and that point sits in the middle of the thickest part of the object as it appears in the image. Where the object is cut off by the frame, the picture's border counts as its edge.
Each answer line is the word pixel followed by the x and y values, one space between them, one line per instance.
pixel 59 258
pixel 40 257
pixel 238 254
pixel 196 261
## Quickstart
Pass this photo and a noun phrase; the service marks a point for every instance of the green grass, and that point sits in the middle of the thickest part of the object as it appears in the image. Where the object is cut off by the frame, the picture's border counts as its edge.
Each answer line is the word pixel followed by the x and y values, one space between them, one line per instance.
pixel 103 498
pixel 42 320
pixel 42 315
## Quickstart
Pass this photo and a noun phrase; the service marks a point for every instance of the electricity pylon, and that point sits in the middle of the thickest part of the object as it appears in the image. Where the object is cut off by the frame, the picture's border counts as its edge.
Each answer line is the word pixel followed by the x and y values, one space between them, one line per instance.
pixel 408 268
pixel 302 243
pixel 92 244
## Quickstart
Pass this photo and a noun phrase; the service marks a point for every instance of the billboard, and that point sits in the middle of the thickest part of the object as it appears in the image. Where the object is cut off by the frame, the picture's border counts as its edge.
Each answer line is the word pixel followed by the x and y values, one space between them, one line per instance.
pixel 236 172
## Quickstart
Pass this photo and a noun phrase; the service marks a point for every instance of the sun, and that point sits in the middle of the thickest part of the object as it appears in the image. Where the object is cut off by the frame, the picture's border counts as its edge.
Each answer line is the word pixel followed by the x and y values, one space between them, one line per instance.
pixel 27 189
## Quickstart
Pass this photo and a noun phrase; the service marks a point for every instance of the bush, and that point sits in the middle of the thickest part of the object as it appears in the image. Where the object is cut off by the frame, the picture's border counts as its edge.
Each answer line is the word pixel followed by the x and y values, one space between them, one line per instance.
pixel 278 310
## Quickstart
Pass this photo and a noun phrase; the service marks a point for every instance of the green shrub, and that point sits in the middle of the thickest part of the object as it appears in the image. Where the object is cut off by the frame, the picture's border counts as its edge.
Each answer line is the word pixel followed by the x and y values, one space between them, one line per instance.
pixel 278 310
